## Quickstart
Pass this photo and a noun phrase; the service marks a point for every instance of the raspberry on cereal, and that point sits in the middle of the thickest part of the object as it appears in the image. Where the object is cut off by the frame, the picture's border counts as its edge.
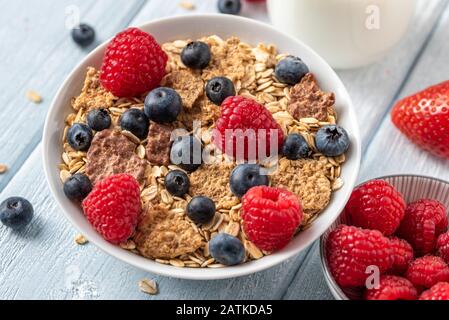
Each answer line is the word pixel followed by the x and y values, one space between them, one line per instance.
pixel 392 288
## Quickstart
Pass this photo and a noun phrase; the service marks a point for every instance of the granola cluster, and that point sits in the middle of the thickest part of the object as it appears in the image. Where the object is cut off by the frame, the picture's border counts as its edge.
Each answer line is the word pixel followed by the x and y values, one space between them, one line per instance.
pixel 164 232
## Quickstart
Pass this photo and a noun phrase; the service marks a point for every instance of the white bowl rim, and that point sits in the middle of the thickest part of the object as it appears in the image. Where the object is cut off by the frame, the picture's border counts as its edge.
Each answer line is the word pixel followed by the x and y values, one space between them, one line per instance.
pixel 335 289
pixel 203 273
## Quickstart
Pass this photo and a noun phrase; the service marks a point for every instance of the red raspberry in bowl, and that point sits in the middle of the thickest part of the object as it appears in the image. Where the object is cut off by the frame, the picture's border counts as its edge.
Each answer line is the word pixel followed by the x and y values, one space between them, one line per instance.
pixel 133 64
pixel 423 222
pixel 440 291
pixel 113 207
pixel 350 250
pixel 392 288
pixel 270 217
pixel 443 246
pixel 245 123
pixel 376 205
pixel 427 271
pixel 402 255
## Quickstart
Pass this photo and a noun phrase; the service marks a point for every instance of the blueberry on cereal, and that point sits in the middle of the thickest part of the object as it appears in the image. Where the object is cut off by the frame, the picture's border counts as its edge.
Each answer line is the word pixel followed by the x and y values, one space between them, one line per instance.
pixel 229 6
pixel 77 187
pixel 290 70
pixel 163 105
pixel 332 140
pixel 136 122
pixel 83 34
pixel 79 136
pixel 16 212
pixel 227 249
pixel 246 176
pixel 186 152
pixel 295 147
pixel 196 55
pixel 201 209
pixel 177 183
pixel 218 89
pixel 98 119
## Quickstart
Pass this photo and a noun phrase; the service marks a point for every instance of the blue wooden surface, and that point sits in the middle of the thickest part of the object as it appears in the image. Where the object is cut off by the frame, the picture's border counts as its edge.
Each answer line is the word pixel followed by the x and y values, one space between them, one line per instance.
pixel 37 53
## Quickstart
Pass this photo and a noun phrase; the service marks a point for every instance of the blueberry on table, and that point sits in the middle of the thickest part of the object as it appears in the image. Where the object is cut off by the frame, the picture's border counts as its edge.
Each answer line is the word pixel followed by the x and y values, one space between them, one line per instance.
pixel 227 249
pixel 98 119
pixel 201 209
pixel 229 6
pixel 218 89
pixel 79 136
pixel 136 122
pixel 290 70
pixel 332 140
pixel 77 187
pixel 196 55
pixel 186 152
pixel 84 35
pixel 16 212
pixel 246 176
pixel 163 105
pixel 295 147
pixel 177 183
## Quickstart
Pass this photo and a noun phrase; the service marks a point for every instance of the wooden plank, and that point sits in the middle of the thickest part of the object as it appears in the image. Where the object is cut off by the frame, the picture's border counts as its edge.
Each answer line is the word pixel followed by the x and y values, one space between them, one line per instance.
pixel 38 53
pixel 389 152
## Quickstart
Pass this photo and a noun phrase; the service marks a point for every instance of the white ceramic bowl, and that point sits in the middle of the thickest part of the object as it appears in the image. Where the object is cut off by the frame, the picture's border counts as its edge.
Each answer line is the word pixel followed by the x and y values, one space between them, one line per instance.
pixel 195 26
pixel 413 188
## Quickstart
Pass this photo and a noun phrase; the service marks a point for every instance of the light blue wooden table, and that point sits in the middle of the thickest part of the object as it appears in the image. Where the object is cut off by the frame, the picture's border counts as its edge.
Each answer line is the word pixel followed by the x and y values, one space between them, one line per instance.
pixel 43 262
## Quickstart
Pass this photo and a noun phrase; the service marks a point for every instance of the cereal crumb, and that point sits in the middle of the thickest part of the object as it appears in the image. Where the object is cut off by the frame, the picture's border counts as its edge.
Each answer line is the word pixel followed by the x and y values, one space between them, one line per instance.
pixel 80 239
pixel 308 101
pixel 148 286
pixel 33 96
pixel 3 168
pixel 164 234
pixel 187 5
pixel 188 84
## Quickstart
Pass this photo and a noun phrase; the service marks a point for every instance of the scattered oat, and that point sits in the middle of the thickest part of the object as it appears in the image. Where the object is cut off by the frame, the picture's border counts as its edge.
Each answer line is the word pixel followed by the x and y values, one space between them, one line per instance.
pixel 3 168
pixel 33 96
pixel 187 5
pixel 338 184
pixel 148 286
pixel 80 239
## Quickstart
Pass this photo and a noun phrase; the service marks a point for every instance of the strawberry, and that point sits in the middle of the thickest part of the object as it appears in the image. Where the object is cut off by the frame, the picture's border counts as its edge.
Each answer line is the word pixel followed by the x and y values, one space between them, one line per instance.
pixel 424 118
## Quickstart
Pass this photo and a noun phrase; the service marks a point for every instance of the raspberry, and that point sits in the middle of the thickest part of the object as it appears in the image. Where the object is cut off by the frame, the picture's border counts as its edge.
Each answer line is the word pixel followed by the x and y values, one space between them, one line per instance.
pixel 133 64
pixel 350 250
pixel 243 123
pixel 423 222
pixel 376 205
pixel 440 291
pixel 270 217
pixel 443 246
pixel 402 255
pixel 113 207
pixel 392 288
pixel 427 271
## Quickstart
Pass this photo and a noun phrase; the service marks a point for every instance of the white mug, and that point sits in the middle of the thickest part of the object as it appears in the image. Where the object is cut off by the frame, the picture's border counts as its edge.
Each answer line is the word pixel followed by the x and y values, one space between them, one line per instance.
pixel 347 33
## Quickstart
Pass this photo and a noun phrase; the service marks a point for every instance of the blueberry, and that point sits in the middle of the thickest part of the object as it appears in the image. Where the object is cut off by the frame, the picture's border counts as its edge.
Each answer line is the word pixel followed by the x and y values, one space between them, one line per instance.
pixel 136 122
pixel 227 249
pixel 177 183
pixel 16 212
pixel 332 140
pixel 98 119
pixel 201 209
pixel 290 70
pixel 246 176
pixel 186 151
pixel 163 105
pixel 229 6
pixel 196 55
pixel 295 147
pixel 79 136
pixel 77 187
pixel 218 89
pixel 83 35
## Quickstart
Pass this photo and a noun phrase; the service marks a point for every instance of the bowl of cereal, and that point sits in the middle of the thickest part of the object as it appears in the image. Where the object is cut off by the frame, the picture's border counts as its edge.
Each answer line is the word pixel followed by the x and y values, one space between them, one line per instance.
pixel 136 190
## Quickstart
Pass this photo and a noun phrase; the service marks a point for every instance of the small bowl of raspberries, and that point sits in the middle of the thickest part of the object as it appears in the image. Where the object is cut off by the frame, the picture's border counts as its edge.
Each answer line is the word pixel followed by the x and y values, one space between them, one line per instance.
pixel 391 242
